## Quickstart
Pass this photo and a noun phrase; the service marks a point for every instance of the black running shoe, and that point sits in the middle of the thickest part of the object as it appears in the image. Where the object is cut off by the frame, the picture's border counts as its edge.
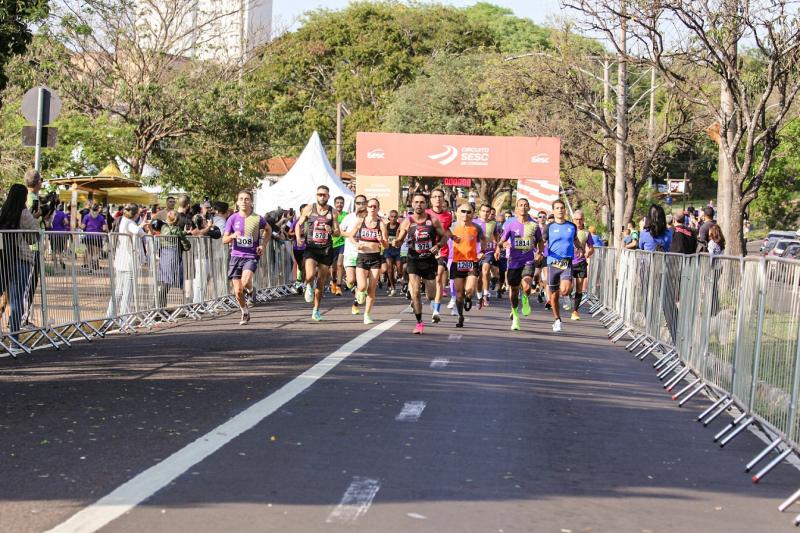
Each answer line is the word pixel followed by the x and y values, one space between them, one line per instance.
pixel 548 306
pixel 468 304
pixel 460 323
pixel 540 297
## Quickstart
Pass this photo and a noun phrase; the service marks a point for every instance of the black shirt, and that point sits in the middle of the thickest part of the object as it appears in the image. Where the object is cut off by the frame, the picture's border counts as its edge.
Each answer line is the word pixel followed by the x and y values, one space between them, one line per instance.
pixel 683 241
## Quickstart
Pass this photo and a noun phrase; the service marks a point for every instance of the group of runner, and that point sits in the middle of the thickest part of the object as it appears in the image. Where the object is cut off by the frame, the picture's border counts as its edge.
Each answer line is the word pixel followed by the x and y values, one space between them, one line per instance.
pixel 429 247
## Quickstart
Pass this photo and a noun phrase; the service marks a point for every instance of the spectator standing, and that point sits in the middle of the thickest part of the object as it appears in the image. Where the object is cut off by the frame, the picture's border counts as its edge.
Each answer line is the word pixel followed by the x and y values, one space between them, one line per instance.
pixel 655 237
pixel 58 238
pixel 170 247
pixel 16 256
pixel 128 253
pixel 95 225
pixel 705 226
pixel 219 214
pixel 162 215
pixel 597 240
pixel 684 240
pixel 716 240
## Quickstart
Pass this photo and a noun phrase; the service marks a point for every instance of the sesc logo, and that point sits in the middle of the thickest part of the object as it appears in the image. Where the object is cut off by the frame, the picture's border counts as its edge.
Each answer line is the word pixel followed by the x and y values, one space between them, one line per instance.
pixel 541 159
pixel 448 156
pixel 377 153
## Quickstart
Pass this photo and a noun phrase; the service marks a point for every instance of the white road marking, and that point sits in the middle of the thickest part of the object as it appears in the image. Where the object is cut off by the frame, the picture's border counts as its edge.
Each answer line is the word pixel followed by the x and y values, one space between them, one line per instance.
pixel 439 363
pixel 411 412
pixel 356 500
pixel 417 516
pixel 454 337
pixel 135 491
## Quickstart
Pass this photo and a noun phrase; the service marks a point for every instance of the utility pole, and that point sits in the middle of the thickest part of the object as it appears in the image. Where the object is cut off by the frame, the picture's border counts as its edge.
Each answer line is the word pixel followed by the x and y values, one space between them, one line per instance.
pixel 607 204
pixel 340 110
pixel 621 135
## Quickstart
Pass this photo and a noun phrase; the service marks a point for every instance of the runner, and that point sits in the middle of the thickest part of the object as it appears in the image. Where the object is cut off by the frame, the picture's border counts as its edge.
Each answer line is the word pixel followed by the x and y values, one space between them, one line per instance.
pixel 523 241
pixel 317 226
pixel 391 253
pixel 244 230
pixel 561 237
pixel 337 272
pixel 439 211
pixel 544 275
pixel 465 269
pixel 540 275
pixel 422 230
pixel 350 254
pixel 369 233
pixel 580 264
pixel 488 260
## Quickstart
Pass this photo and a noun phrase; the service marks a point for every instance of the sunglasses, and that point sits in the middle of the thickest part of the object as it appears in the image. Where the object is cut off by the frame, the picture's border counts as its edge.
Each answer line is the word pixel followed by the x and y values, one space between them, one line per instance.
pixel 373 206
pixel 360 203
pixel 465 212
pixel 322 194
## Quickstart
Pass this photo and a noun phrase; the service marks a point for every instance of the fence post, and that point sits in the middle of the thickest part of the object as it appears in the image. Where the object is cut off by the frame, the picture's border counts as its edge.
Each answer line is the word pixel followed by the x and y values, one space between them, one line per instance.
pixel 112 255
pixel 76 305
pixel 42 283
pixel 762 280
pixel 795 390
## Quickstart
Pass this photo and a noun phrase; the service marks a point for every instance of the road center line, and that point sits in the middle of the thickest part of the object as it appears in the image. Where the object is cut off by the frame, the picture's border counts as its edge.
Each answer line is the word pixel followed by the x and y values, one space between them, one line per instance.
pixel 440 363
pixel 356 500
pixel 454 337
pixel 135 491
pixel 411 412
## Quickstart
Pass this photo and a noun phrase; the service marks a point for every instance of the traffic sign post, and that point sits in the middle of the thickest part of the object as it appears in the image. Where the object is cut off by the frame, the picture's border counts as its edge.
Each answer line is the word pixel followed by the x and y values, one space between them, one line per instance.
pixel 40 105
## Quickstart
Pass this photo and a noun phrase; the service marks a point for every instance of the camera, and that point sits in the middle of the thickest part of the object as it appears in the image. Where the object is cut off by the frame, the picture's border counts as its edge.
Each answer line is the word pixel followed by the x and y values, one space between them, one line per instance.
pixel 48 204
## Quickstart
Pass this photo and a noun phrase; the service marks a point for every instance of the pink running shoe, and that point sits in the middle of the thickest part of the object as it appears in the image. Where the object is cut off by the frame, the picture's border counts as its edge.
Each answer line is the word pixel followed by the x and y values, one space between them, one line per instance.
pixel 419 328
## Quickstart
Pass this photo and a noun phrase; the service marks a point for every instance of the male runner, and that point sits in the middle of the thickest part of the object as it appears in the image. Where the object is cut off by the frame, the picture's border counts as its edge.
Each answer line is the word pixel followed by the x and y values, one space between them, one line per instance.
pixel 540 275
pixel 337 272
pixel 523 240
pixel 249 233
pixel 350 254
pixel 392 254
pixel 487 260
pixel 439 211
pixel 561 237
pixel 426 236
pixel 464 269
pixel 317 226
pixel 580 264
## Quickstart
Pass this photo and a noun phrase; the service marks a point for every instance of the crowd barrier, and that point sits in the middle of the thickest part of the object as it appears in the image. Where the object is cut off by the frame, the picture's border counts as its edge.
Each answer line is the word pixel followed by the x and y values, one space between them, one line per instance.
pixel 725 326
pixel 56 287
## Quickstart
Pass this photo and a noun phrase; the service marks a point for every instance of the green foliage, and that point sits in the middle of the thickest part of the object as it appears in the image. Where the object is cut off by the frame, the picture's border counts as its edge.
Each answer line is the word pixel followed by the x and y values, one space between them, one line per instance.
pixel 16 17
pixel 513 34
pixel 778 201
pixel 359 56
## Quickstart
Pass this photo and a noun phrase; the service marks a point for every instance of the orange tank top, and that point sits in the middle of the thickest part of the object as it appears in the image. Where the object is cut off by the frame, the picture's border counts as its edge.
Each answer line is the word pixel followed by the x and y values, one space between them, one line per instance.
pixel 467 249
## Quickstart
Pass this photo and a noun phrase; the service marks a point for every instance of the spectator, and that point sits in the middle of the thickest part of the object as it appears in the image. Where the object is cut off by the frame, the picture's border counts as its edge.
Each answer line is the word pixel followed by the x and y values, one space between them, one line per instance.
pixel 33 182
pixel 94 224
pixel 631 238
pixel 597 240
pixel 655 237
pixel 171 245
pixel 128 253
pixel 162 214
pixel 684 240
pixel 716 240
pixel 220 214
pixel 183 209
pixel 58 239
pixel 16 256
pixel 702 233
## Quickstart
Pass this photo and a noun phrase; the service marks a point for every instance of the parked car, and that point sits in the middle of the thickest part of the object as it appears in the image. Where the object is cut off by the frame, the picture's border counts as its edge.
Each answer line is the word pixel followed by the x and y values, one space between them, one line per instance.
pixel 780 247
pixel 773 237
pixel 792 251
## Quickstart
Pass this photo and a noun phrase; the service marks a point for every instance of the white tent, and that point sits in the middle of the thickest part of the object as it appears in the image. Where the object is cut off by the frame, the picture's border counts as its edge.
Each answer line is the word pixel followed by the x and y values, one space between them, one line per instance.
pixel 299 185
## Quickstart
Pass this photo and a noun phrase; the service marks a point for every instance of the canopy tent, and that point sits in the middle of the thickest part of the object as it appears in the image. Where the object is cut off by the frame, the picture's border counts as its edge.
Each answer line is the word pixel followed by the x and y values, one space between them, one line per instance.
pixel 108 185
pixel 299 185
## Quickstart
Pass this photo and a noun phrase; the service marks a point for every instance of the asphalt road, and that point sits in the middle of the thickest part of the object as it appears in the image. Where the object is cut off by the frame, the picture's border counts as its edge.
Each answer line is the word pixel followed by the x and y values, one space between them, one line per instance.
pixel 515 431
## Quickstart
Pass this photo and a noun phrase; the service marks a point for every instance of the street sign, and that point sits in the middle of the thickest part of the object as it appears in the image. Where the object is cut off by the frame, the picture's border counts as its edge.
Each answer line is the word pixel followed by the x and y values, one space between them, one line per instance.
pixel 51 105
pixel 49 136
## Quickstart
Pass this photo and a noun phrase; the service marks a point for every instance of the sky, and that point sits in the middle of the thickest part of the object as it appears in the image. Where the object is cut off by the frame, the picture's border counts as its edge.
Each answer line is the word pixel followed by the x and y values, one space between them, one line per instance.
pixel 285 12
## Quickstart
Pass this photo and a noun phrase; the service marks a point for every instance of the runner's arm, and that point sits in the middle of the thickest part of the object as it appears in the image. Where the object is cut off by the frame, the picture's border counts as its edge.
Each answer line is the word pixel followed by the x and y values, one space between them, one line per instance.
pixel 444 234
pixel 589 251
pixel 384 234
pixel 336 232
pixel 301 222
pixel 400 236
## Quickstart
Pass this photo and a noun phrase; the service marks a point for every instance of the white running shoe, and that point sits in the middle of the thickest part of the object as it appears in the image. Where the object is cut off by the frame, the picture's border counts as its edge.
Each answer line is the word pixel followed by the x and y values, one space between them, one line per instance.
pixel 309 293
pixel 557 326
pixel 452 303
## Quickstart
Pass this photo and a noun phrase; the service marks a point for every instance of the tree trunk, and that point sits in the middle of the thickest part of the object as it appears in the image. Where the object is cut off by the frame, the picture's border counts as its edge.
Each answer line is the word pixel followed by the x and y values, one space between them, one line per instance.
pixel 725 174
pixel 631 194
pixel 621 140
pixel 734 228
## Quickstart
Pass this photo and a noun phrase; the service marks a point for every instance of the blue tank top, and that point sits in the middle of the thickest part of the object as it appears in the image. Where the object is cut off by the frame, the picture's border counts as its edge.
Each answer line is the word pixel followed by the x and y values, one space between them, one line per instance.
pixel 560 241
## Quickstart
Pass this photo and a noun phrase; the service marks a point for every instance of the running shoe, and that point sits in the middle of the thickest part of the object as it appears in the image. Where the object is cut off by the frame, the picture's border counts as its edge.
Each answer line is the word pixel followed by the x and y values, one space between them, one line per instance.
pixel 309 294
pixel 368 319
pixel 419 328
pixel 435 317
pixel 392 292
pixel 575 316
pixel 361 297
pixel 480 303
pixel 557 326
pixel 486 300
pixel 454 312
pixel 452 303
pixel 354 309
pixel 404 288
pixel 548 306
pixel 468 304
pixel 408 294
pixel 245 319
pixel 514 323
pixel 540 296
pixel 316 316
pixel 337 291
pixel 526 305
pixel 298 288
pixel 248 297
pixel 460 323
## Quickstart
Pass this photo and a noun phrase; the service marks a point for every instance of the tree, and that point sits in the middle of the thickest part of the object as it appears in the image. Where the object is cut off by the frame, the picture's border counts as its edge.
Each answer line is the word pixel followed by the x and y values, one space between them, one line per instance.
pixel 112 58
pixel 16 17
pixel 513 35
pixel 360 56
pixel 451 96
pixel 748 93
pixel 778 201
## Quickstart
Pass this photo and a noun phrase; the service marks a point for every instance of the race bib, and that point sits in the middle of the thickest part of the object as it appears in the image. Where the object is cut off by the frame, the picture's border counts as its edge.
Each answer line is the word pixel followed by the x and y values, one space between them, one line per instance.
pixel 521 243
pixel 464 266
pixel 562 264
pixel 244 242
pixel 423 247
pixel 320 234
